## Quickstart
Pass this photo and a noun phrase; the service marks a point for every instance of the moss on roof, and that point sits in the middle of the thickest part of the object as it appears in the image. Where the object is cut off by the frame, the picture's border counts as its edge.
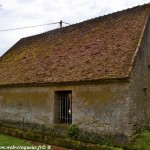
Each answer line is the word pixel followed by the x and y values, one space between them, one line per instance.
pixel 100 48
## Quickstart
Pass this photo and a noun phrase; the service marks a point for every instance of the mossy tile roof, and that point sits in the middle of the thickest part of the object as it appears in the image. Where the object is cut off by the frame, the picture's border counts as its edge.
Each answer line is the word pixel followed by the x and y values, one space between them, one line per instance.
pixel 97 49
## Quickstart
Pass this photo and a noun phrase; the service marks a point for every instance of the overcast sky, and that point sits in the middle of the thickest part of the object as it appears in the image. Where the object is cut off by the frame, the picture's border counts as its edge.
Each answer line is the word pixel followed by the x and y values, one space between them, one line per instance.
pixel 20 13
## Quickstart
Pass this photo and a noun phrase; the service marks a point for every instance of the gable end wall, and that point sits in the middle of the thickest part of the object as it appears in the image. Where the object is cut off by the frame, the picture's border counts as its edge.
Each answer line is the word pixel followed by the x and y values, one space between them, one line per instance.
pixel 140 83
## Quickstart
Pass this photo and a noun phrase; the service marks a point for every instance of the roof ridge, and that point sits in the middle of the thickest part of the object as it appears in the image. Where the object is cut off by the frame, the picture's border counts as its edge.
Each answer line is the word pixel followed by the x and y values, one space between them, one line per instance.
pixel 95 49
pixel 120 12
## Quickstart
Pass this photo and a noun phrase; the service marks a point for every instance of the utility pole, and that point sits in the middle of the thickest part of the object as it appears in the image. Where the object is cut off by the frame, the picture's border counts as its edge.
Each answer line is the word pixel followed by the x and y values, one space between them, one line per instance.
pixel 60 23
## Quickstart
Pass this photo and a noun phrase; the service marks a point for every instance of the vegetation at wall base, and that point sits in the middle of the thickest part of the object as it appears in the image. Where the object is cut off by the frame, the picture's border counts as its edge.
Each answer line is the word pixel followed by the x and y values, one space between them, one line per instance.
pixel 10 141
pixel 141 142
pixel 78 139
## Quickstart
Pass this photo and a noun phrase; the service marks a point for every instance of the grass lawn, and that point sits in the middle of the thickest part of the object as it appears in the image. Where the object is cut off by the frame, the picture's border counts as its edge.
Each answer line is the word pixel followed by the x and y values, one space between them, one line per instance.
pixel 10 141
pixel 142 141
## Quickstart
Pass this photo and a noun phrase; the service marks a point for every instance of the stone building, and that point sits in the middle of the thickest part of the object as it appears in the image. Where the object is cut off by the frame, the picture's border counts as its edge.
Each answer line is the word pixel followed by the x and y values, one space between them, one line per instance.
pixel 95 74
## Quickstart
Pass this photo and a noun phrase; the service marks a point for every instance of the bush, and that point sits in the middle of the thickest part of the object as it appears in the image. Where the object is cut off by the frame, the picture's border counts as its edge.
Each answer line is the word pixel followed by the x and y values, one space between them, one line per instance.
pixel 73 131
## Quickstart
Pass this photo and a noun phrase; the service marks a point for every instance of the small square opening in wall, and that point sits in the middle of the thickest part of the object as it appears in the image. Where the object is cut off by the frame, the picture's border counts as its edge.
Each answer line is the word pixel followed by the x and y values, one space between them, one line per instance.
pixel 145 91
pixel 63 107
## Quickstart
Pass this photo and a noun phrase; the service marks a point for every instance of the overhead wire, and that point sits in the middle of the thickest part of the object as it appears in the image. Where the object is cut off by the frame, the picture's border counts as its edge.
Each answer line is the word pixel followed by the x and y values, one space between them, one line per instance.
pixel 34 26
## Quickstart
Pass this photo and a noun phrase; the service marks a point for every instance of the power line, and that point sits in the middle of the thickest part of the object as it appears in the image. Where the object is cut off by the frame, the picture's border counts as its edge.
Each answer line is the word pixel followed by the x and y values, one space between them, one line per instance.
pixel 40 25
pixel 27 27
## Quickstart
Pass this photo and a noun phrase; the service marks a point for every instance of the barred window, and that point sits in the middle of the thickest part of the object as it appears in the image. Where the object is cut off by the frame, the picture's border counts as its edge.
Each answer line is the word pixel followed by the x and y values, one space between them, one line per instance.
pixel 63 107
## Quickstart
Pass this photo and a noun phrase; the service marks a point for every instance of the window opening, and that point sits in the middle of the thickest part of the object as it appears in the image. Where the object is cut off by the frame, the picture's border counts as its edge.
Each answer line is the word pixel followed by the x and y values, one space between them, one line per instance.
pixel 64 104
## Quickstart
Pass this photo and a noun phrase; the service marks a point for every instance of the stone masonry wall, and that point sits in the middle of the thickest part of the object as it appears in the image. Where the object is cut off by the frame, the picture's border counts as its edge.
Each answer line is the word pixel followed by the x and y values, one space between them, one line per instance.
pixel 140 84
pixel 28 104
pixel 101 107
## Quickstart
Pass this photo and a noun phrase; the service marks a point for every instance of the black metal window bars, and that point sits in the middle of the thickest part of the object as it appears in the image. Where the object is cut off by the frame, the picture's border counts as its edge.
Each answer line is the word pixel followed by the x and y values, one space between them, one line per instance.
pixel 65 101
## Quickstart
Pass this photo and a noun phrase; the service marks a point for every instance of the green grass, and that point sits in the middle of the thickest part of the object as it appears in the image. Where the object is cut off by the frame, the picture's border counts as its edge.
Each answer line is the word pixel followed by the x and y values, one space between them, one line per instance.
pixel 13 141
pixel 142 141
pixel 10 141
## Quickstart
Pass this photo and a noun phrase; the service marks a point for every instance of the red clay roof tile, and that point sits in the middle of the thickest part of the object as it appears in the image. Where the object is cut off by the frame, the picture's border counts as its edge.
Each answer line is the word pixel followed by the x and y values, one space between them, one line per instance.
pixel 100 48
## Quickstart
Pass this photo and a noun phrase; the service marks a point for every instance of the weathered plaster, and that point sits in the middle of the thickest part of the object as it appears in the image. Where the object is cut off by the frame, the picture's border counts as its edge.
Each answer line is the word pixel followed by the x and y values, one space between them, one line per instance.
pixel 26 104
pixel 101 108
pixel 140 83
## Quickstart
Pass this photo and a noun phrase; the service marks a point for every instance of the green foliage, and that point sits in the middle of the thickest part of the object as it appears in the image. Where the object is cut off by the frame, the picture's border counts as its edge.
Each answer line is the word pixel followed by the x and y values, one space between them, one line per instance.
pixel 78 138
pixel 95 138
pixel 73 131
pixel 10 141
pixel 141 142
pixel 43 127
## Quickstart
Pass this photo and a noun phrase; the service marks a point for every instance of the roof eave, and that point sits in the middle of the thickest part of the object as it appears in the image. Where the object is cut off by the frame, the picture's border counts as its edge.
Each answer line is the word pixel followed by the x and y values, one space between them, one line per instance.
pixel 99 81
